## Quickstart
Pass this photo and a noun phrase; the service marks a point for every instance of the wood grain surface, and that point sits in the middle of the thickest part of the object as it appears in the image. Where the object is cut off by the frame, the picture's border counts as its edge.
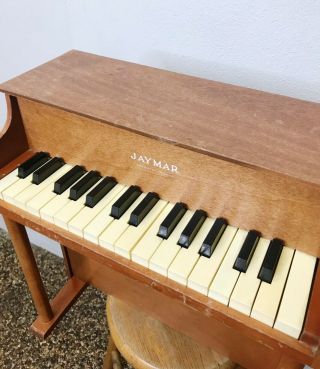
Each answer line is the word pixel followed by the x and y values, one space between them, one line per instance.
pixel 276 205
pixel 251 127
pixel 146 343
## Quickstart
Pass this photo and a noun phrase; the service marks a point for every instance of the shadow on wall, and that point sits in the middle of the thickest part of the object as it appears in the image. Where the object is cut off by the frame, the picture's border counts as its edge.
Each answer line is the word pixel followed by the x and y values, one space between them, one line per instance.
pixel 229 73
pixel 3 111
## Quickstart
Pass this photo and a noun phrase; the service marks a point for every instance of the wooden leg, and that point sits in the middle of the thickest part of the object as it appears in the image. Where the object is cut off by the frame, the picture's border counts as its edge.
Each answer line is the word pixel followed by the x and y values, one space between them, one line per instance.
pixel 66 259
pixel 49 313
pixel 287 363
pixel 29 267
pixel 111 359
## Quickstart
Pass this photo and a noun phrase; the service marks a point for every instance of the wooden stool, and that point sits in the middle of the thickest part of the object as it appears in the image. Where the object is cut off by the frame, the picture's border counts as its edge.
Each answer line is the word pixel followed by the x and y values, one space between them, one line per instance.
pixel 147 343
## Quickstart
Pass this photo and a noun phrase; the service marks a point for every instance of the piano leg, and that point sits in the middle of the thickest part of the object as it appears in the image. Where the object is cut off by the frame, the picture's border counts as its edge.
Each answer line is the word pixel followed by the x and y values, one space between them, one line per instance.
pixel 288 363
pixel 67 263
pixel 49 312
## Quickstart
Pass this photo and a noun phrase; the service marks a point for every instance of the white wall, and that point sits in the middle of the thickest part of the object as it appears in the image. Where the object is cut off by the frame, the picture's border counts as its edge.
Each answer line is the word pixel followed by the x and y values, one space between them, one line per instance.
pixel 269 45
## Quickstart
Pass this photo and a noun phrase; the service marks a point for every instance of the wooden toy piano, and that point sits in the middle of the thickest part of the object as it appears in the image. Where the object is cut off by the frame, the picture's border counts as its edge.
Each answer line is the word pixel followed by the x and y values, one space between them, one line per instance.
pixel 197 201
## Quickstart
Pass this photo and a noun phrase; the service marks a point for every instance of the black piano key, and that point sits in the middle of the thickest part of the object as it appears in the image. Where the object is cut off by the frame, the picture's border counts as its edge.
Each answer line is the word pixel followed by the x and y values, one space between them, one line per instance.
pixel 143 208
pixel 125 201
pixel 213 237
pixel 247 250
pixel 85 183
pixel 192 228
pixel 32 164
pixel 68 179
pixel 270 261
pixel 47 170
pixel 98 193
pixel 171 220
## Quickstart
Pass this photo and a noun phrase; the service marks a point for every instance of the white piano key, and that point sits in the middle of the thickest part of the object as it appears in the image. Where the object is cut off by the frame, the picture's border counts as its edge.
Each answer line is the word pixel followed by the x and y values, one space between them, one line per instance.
pixel 32 190
pixel 126 242
pixel 109 236
pixel 222 286
pixel 269 295
pixel 97 225
pixel 48 211
pixel 168 249
pixel 146 247
pixel 294 301
pixel 186 259
pixel 72 208
pixel 206 268
pixel 40 200
pixel 247 286
pixel 8 180
pixel 84 217
pixel 11 192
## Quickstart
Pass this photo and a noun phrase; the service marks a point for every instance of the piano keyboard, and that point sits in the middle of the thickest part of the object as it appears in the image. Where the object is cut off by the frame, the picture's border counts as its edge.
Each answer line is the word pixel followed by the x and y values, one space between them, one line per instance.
pixel 260 278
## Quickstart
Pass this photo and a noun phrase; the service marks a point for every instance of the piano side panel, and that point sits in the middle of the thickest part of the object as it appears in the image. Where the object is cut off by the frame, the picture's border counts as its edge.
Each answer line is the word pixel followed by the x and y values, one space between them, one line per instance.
pixel 311 329
pixel 13 140
pixel 276 205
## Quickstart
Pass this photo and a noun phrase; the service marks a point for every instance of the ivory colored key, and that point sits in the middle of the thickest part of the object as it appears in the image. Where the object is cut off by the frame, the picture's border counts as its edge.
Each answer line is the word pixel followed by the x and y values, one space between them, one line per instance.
pixel 226 278
pixel 98 224
pixel 247 286
pixel 8 181
pixel 26 195
pixel 206 268
pixel 48 211
pixel 294 301
pixel 84 217
pixel 168 249
pixel 11 192
pixel 269 295
pixel 109 236
pixel 64 215
pixel 186 259
pixel 132 235
pixel 146 247
pixel 44 197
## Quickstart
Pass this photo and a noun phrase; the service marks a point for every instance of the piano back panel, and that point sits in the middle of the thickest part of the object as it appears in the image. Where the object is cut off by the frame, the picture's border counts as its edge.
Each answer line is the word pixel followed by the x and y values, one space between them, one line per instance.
pixel 250 198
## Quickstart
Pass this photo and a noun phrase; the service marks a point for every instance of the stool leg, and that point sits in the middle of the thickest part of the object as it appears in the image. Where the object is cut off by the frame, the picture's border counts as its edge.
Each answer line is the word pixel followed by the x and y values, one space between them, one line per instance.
pixel 111 359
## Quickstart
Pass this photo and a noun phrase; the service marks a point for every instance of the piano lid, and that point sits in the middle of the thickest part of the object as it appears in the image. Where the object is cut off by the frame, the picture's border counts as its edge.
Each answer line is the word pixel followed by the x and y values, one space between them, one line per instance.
pixel 247 126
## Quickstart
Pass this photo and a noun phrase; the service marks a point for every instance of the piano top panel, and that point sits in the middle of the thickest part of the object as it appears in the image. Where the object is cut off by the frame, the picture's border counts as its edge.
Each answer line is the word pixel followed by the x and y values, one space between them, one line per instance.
pixel 242 125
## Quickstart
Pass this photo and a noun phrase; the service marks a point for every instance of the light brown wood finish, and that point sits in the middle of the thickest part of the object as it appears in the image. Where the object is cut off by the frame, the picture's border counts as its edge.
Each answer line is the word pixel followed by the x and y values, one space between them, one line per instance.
pixel 60 304
pixel 66 260
pixel 269 180
pixel 248 198
pixel 244 340
pixel 28 264
pixel 311 331
pixel 49 314
pixel 239 124
pixel 146 343
pixel 111 358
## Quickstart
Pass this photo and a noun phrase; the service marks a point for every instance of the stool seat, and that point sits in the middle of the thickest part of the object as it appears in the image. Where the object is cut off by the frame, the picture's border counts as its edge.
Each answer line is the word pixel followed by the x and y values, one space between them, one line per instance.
pixel 146 343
